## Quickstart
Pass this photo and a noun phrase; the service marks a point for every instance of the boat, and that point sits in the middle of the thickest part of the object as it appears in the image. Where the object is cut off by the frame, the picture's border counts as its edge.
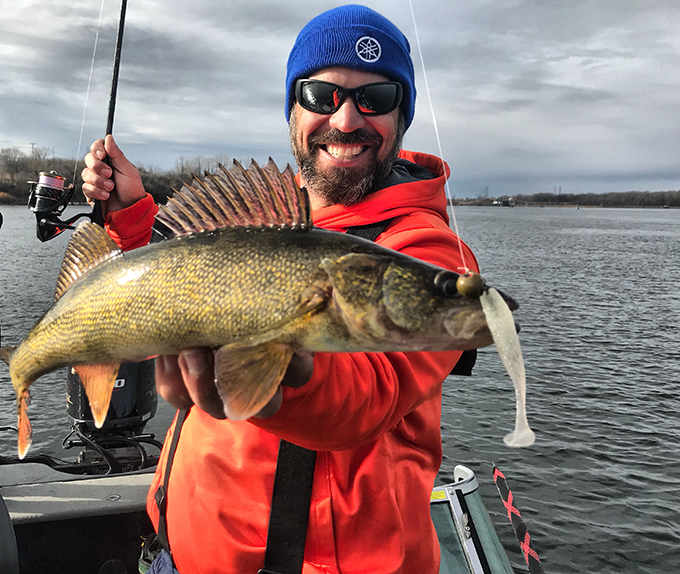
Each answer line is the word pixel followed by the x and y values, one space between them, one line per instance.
pixel 89 514
pixel 467 538
pixel 52 520
pixel 86 514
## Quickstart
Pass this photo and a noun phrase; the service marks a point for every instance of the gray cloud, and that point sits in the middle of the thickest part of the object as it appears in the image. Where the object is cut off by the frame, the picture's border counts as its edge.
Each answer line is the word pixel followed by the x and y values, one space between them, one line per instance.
pixel 528 94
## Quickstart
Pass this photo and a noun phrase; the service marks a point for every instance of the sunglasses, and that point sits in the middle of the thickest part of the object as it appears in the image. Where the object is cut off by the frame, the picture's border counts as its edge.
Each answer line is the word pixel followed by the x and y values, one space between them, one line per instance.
pixel 370 99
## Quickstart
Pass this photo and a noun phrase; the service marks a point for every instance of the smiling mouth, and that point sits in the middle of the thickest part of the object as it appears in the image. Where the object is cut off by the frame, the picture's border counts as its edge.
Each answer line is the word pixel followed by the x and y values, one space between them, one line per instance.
pixel 344 151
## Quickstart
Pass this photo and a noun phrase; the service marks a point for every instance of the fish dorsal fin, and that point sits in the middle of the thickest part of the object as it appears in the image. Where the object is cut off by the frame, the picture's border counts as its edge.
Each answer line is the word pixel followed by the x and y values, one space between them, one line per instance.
pixel 238 197
pixel 89 246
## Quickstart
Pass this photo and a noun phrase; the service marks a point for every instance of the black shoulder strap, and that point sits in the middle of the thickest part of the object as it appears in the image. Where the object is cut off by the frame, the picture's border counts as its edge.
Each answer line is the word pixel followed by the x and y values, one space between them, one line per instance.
pixel 370 231
pixel 161 492
pixel 464 365
pixel 289 512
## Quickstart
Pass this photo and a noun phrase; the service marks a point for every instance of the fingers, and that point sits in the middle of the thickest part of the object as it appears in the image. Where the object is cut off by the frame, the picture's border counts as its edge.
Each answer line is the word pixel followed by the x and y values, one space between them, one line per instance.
pixel 298 373
pixel 272 407
pixel 115 181
pixel 113 152
pixel 170 383
pixel 299 370
pixel 188 378
pixel 97 183
pixel 198 368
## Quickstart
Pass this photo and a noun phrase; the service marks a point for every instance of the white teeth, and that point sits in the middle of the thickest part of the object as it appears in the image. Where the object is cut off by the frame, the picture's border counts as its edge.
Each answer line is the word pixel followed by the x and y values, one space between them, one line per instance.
pixel 342 152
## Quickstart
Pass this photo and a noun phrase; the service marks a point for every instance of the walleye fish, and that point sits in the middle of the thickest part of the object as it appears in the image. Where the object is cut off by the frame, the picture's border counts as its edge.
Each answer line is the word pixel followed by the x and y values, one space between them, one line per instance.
pixel 245 273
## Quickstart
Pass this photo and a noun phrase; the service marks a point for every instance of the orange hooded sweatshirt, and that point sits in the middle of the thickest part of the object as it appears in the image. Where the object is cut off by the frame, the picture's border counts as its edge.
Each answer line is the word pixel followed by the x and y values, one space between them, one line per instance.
pixel 374 419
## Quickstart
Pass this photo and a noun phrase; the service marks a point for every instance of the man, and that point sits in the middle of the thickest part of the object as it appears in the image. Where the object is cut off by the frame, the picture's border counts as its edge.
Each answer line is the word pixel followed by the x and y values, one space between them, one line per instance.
pixel 373 418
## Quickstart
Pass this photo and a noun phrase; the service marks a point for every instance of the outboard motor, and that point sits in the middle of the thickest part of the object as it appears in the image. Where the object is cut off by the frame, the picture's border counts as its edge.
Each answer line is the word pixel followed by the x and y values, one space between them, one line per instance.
pixel 118 446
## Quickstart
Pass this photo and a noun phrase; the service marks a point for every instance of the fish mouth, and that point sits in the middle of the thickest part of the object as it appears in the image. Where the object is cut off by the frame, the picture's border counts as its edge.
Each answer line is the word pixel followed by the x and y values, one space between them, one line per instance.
pixel 469 327
pixel 512 304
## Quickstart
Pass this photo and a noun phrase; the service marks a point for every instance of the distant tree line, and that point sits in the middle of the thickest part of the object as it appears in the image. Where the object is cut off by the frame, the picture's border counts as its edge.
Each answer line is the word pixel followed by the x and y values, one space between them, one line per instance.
pixel 18 168
pixel 612 199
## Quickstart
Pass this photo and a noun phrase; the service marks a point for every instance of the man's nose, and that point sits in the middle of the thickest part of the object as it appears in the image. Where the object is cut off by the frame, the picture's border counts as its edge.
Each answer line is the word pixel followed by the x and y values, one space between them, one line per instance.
pixel 347 119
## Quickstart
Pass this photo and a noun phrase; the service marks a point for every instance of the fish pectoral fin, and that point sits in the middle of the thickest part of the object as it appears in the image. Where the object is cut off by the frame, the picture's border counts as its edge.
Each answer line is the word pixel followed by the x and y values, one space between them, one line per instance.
pixel 98 382
pixel 247 377
pixel 24 425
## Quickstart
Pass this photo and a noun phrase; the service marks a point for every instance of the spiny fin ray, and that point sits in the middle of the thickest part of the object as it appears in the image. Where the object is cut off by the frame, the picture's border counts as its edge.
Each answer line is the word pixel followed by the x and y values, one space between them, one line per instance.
pixel 238 197
pixel 89 247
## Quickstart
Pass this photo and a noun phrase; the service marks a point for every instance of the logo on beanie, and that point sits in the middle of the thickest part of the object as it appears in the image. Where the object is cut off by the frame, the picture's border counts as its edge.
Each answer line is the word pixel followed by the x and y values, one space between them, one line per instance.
pixel 368 49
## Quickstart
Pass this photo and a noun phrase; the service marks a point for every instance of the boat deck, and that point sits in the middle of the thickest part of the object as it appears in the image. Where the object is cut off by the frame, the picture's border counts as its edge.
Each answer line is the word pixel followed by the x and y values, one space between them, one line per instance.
pixel 70 523
pixel 62 496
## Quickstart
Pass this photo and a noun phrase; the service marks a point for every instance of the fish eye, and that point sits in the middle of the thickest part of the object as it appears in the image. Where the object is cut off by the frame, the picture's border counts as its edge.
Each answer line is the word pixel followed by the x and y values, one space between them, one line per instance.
pixel 445 282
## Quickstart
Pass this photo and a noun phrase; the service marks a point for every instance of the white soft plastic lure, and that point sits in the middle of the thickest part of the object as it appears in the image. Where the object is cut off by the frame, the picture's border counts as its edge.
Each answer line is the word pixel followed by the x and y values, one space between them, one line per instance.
pixel 502 327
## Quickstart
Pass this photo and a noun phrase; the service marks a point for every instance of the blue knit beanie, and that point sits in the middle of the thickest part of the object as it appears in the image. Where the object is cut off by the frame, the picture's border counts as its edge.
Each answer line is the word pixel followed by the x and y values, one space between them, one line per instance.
pixel 353 37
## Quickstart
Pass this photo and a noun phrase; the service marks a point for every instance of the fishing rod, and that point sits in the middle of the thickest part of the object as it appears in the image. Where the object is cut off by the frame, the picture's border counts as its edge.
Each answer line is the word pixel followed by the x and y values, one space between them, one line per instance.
pixel 49 196
pixel 97 212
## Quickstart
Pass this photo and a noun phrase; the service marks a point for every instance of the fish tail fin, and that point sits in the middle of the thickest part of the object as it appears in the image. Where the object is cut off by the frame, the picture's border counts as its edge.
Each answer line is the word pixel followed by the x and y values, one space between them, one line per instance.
pixel 98 382
pixel 6 353
pixel 24 425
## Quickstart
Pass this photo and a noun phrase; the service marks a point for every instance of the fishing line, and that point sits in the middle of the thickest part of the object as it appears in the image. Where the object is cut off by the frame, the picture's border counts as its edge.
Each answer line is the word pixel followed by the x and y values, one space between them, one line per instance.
pixel 449 197
pixel 87 93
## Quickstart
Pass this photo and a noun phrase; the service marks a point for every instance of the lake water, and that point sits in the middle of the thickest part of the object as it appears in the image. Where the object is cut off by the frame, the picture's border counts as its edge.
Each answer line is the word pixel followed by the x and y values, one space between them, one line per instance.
pixel 600 307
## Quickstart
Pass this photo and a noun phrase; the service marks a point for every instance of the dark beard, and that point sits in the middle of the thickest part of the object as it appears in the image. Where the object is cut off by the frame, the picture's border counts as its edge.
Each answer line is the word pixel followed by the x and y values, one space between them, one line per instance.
pixel 344 186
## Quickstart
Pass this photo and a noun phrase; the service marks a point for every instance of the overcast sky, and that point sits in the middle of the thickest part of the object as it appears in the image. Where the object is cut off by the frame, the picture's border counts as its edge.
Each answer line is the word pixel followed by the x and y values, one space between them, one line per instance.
pixel 529 95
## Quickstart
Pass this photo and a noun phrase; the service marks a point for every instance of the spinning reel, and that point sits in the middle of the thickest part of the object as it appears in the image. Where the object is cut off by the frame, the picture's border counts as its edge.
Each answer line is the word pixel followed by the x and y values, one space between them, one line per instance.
pixel 48 198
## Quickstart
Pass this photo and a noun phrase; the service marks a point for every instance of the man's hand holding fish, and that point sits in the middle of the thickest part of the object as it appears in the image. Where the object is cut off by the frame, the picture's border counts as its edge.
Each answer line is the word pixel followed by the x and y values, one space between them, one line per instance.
pixel 188 379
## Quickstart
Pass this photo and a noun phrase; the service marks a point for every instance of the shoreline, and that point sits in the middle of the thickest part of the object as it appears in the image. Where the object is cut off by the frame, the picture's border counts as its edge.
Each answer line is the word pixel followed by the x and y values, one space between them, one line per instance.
pixel 464 203
pixel 563 205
